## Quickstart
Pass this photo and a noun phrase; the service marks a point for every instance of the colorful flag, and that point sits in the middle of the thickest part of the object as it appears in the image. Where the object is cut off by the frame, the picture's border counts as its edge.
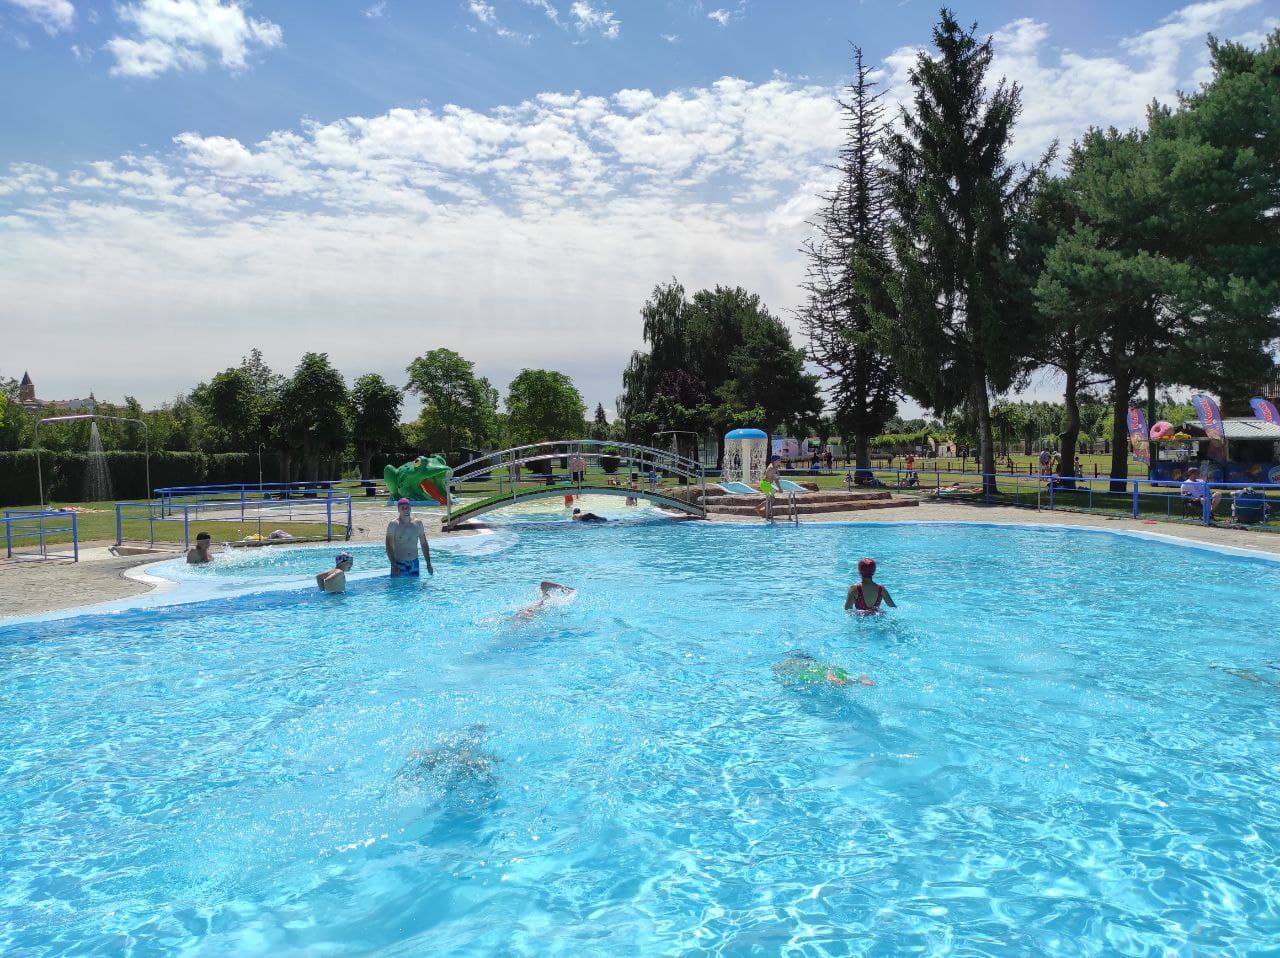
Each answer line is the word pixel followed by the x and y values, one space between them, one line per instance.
pixel 1138 441
pixel 1207 410
pixel 1265 410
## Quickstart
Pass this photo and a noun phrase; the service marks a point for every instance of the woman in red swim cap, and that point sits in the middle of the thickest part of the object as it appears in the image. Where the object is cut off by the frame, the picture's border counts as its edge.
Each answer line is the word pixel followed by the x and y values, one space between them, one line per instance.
pixel 858 592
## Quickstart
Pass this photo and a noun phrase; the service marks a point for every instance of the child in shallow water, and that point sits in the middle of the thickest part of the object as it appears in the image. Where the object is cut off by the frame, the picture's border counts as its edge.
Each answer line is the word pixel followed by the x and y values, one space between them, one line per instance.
pixel 866 596
pixel 801 668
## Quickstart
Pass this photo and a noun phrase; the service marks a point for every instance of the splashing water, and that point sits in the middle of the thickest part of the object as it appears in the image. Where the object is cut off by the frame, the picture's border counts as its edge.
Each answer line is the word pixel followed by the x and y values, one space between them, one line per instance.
pixel 97 478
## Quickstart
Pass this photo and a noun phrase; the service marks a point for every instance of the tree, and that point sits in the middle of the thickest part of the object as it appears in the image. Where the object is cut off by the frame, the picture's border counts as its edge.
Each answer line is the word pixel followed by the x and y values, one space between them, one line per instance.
pixel 1216 160
pixel 1171 263
pixel 458 407
pixel 229 407
pixel 375 418
pixel 600 424
pixel 847 281
pixel 957 333
pixel 715 362
pixel 1065 341
pixel 312 415
pixel 768 373
pixel 544 405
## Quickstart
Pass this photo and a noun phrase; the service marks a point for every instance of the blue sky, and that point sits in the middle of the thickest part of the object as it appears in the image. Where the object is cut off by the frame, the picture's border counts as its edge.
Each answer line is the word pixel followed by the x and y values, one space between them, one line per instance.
pixel 181 180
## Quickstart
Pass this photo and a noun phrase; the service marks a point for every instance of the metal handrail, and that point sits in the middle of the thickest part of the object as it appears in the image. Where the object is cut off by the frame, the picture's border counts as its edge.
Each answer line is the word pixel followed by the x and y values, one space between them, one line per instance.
pixel 567 447
pixel 588 449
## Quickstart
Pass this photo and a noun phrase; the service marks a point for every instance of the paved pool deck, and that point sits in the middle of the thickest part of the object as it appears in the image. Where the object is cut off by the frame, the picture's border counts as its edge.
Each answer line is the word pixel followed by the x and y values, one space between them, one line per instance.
pixel 31 587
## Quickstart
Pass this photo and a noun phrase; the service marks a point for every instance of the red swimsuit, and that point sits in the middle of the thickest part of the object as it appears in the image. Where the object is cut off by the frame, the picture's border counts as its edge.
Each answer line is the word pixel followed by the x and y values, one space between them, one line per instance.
pixel 860 603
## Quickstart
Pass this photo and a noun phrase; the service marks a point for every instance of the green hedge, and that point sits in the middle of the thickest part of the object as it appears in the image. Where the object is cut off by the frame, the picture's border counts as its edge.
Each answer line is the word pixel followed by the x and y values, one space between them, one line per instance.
pixel 64 473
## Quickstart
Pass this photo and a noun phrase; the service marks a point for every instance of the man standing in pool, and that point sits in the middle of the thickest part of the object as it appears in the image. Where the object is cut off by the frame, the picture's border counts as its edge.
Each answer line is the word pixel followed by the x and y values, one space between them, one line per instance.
pixel 404 533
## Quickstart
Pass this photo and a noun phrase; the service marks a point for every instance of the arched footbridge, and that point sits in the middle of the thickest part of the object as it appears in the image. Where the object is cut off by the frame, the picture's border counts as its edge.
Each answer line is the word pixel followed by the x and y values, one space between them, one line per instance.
pixel 552 470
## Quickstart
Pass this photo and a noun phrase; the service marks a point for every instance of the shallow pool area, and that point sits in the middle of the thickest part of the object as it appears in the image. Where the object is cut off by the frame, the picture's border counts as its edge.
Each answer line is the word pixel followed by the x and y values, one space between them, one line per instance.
pixel 1071 747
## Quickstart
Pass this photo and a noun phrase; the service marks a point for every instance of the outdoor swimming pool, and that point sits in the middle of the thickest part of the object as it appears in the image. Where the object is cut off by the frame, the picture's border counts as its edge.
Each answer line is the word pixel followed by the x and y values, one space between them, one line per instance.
pixel 1072 748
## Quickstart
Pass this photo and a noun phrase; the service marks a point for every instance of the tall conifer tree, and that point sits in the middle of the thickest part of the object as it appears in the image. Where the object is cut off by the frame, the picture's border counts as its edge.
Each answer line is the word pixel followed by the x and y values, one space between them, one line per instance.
pixel 961 327
pixel 848 274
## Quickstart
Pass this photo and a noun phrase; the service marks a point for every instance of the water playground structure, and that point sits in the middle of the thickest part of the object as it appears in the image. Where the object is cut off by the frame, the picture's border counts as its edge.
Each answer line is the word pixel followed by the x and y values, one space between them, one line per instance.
pixel 423 481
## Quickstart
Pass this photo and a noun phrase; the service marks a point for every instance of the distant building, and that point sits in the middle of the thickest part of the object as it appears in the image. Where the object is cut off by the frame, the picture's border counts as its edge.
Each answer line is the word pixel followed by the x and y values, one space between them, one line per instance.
pixel 1271 388
pixel 27 397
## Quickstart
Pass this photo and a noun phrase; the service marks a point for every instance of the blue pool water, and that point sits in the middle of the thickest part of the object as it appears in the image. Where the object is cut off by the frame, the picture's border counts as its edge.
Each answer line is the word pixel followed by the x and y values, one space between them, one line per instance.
pixel 1072 747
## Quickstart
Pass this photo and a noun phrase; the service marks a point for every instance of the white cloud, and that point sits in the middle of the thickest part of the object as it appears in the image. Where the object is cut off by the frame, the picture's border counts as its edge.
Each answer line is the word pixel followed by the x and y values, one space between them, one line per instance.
pixel 375 11
pixel 54 15
pixel 589 19
pixel 180 34
pixel 523 235
pixel 547 9
pixel 485 13
pixel 720 16
pixel 670 37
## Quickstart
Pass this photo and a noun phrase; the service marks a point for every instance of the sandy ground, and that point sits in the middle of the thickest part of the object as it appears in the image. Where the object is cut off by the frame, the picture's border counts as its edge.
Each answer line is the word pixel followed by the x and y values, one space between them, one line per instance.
pixel 31 587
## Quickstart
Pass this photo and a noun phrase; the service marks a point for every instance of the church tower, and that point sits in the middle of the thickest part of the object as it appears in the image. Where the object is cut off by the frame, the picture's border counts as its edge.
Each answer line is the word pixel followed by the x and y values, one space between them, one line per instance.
pixel 27 390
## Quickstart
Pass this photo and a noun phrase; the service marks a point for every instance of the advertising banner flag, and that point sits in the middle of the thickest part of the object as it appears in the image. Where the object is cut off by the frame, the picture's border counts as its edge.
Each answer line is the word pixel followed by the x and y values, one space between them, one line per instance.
pixel 1138 436
pixel 1265 410
pixel 1207 410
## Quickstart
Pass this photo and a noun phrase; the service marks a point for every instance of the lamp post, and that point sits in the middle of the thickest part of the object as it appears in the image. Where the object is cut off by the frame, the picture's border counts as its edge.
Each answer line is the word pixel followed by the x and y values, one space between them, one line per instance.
pixel 261 499
pixel 146 439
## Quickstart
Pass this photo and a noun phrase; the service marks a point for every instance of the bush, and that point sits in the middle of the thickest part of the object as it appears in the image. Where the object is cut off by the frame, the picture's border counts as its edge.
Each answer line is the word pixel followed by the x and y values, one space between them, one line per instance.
pixel 610 464
pixel 64 473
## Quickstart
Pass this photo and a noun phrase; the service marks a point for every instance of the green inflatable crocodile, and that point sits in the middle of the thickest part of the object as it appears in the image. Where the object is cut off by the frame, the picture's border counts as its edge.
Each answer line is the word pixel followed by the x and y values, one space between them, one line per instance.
pixel 425 479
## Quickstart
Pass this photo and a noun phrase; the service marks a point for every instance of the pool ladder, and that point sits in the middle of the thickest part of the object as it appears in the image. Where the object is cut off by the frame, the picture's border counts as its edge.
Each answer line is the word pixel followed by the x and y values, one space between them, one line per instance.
pixel 791 501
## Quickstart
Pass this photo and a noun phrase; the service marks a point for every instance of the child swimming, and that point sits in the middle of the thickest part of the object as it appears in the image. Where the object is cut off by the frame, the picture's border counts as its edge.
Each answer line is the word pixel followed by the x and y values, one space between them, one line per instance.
pixel 801 668
pixel 550 593
pixel 856 599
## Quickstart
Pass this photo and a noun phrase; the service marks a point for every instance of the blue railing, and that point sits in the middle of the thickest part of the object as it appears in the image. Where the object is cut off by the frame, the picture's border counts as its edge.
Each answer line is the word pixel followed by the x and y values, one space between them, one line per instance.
pixel 1137 497
pixel 25 525
pixel 329 510
pixel 245 492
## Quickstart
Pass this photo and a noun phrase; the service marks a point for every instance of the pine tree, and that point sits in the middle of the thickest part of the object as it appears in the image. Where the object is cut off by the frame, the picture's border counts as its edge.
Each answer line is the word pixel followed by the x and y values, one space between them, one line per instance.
pixel 961 327
pixel 848 273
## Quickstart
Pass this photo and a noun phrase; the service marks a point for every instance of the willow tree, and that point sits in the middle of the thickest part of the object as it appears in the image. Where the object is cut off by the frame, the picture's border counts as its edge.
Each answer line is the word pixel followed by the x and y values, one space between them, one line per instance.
pixel 847 278
pixel 959 330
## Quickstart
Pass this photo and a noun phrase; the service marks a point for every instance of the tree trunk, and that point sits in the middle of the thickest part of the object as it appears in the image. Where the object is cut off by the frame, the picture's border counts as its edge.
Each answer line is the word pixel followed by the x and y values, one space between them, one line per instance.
pixel 1071 424
pixel 861 452
pixel 1120 429
pixel 986 448
pixel 366 464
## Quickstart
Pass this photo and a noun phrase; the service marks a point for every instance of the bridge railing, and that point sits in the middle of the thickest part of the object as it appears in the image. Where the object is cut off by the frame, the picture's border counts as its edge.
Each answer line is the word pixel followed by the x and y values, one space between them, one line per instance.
pixel 651 464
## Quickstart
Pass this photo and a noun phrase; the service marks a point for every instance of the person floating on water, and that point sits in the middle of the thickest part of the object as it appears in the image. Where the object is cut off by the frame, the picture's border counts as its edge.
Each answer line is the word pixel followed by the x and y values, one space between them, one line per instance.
pixel 580 516
pixel 199 555
pixel 404 533
pixel 856 599
pixel 550 593
pixel 801 668
pixel 335 579
pixel 769 485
